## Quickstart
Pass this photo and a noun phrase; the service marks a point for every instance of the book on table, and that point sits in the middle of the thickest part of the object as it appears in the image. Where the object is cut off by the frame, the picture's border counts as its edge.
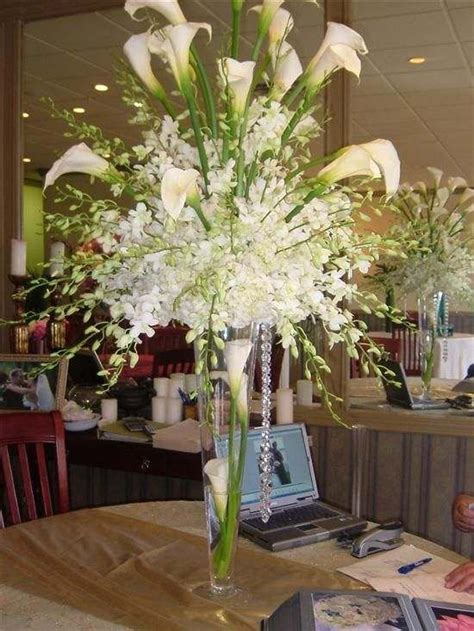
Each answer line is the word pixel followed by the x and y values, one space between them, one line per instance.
pixel 322 610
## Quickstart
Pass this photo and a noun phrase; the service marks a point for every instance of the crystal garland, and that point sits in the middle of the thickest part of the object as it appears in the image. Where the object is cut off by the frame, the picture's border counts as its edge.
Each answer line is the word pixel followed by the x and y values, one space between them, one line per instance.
pixel 445 327
pixel 265 460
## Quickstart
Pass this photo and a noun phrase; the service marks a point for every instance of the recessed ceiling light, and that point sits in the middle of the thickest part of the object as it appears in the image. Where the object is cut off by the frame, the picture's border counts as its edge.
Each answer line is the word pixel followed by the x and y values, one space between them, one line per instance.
pixel 417 60
pixel 26 159
pixel 138 104
pixel 101 87
pixel 78 110
pixel 25 115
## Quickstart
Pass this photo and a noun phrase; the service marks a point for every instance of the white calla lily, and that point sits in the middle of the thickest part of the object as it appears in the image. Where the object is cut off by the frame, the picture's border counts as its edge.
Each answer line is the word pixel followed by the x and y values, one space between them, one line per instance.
pixel 217 471
pixel 455 183
pixel 77 159
pixel 174 43
pixel 339 49
pixel 236 354
pixel 437 175
pixel 466 195
pixel 267 11
pixel 287 68
pixel 177 186
pixel 138 54
pixel 280 26
pixel 243 398
pixel 239 76
pixel 385 155
pixel 169 9
pixel 352 161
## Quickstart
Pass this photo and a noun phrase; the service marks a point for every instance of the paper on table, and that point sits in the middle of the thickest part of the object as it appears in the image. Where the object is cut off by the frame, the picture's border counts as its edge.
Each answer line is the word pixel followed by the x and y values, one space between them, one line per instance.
pixel 427 581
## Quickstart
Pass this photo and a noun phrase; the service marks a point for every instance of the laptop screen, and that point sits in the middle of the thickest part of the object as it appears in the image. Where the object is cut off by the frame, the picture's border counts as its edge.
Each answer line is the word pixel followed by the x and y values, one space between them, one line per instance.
pixel 292 474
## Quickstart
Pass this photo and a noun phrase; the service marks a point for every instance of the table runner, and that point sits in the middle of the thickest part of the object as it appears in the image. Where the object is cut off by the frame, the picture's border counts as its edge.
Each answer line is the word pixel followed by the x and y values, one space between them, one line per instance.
pixel 141 575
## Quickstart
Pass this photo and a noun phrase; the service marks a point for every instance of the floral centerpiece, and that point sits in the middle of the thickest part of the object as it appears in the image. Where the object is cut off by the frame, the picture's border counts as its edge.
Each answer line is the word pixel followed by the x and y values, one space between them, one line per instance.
pixel 214 221
pixel 435 256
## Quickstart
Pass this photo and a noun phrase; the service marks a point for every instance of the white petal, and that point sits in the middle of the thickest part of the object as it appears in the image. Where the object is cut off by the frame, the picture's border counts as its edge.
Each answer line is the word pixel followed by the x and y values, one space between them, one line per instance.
pixel 456 182
pixel 239 77
pixel 437 175
pixel 353 161
pixel 175 187
pixel 77 159
pixel 138 54
pixel 236 354
pixel 334 58
pixel 340 34
pixel 386 157
pixel 287 69
pixel 169 9
pixel 217 471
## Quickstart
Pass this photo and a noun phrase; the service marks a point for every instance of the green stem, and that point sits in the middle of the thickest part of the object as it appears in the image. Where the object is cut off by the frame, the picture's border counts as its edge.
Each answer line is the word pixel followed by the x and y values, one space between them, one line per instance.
pixel 163 98
pixel 197 132
pixel 258 45
pixel 310 196
pixel 195 203
pixel 235 32
pixel 207 93
pixel 309 165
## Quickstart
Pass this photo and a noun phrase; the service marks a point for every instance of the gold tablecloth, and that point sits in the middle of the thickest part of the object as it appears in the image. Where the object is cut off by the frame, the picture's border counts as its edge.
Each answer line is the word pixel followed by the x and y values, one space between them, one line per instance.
pixel 102 569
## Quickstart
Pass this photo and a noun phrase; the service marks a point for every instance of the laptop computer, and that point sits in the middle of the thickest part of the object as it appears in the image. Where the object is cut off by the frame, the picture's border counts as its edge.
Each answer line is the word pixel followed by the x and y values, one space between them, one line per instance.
pixel 298 516
pixel 401 396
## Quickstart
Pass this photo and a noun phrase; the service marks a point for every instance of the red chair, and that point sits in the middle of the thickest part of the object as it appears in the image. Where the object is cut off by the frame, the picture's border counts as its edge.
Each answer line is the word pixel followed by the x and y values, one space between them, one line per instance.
pixel 167 362
pixel 390 345
pixel 166 338
pixel 409 347
pixel 23 437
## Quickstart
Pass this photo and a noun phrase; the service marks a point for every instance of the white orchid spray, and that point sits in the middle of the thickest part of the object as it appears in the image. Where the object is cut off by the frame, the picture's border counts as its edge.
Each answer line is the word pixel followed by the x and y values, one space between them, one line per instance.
pixel 213 220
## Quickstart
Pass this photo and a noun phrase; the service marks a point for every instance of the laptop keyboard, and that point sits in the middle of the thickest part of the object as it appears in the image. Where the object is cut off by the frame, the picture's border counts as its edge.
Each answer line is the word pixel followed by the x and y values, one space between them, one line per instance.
pixel 292 517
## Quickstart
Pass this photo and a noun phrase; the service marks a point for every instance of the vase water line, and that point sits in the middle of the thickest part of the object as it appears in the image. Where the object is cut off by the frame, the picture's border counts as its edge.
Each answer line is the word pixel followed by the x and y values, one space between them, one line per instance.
pixel 226 362
pixel 428 320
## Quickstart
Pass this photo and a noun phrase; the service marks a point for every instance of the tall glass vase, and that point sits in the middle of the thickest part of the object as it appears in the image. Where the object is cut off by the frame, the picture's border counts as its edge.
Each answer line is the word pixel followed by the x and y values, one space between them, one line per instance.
pixel 428 325
pixel 226 363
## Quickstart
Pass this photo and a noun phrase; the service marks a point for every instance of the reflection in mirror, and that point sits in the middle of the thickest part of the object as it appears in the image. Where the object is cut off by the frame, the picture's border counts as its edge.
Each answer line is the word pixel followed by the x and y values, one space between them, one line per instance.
pixel 417 91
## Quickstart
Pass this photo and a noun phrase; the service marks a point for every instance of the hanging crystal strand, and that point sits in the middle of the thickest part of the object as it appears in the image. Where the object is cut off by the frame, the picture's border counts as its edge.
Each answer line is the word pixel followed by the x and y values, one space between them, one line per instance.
pixel 265 460
pixel 445 327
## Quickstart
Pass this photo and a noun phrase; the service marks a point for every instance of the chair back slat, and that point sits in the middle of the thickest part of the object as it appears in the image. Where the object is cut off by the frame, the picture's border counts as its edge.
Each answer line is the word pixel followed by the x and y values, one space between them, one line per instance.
pixel 27 483
pixel 32 485
pixel 11 497
pixel 44 480
pixel 167 362
pixel 409 347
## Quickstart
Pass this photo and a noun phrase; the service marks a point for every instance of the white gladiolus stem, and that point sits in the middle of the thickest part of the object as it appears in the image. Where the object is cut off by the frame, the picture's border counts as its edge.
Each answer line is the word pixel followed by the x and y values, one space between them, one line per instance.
pixel 217 471
pixel 353 161
pixel 236 354
pixel 169 9
pixel 385 155
pixel 238 76
pixel 77 159
pixel 174 43
pixel 138 55
pixel 287 69
pixel 176 185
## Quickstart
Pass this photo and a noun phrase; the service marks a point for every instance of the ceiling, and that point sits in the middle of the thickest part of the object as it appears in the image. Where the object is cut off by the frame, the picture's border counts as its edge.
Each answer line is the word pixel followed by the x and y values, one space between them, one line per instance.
pixel 426 110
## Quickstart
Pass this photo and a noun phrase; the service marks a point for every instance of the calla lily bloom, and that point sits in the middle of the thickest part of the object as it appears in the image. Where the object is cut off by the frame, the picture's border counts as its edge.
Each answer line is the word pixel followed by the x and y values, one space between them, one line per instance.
pixel 437 175
pixel 385 155
pixel 174 43
pixel 177 187
pixel 338 50
pixel 217 471
pixel 236 354
pixel 77 159
pixel 352 161
pixel 287 68
pixel 267 11
pixel 281 25
pixel 455 183
pixel 239 77
pixel 138 54
pixel 243 398
pixel 169 9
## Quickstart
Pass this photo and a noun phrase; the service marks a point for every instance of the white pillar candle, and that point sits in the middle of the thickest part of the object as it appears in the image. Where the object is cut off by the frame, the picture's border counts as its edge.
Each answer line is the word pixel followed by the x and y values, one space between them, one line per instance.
pixel 56 255
pixel 173 387
pixel 304 392
pixel 174 411
pixel 18 258
pixel 190 382
pixel 285 370
pixel 179 377
pixel 161 386
pixel 284 406
pixel 109 410
pixel 159 409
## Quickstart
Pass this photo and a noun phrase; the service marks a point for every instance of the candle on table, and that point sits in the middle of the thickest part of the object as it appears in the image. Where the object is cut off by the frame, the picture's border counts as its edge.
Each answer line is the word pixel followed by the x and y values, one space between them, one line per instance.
pixel 190 382
pixel 161 386
pixel 56 255
pixel 304 392
pixel 284 406
pixel 174 411
pixel 159 409
pixel 109 410
pixel 18 257
pixel 173 387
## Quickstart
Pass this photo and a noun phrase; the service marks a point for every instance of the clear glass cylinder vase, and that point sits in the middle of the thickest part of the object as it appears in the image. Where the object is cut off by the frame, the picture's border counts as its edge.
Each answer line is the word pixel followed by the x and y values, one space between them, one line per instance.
pixel 429 316
pixel 225 363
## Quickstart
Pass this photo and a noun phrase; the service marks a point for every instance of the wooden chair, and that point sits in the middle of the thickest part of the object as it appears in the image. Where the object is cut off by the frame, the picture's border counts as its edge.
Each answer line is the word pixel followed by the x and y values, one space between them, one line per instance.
pixel 23 437
pixel 409 347
pixel 166 338
pixel 391 347
pixel 167 362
